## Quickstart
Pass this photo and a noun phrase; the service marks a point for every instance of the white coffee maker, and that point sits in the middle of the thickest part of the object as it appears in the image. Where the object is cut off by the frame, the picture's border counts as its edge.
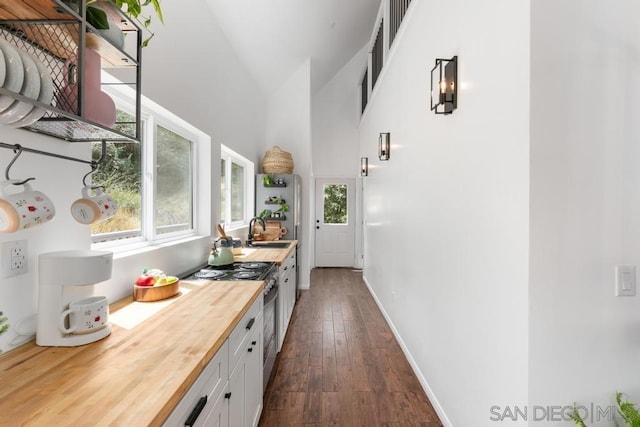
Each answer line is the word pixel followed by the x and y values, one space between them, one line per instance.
pixel 65 277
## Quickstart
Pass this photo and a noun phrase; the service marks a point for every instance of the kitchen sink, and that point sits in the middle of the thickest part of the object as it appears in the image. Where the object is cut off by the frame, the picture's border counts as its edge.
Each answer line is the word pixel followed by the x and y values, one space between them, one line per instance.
pixel 271 245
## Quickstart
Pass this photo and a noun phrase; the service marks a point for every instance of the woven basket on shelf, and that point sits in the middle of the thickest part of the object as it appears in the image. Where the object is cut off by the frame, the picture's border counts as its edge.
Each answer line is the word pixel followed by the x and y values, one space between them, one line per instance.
pixel 277 161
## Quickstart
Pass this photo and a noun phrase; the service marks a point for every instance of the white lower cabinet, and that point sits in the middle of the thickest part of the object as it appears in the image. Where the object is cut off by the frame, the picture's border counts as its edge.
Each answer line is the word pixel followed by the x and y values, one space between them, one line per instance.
pixel 218 414
pixel 286 295
pixel 245 382
pixel 228 392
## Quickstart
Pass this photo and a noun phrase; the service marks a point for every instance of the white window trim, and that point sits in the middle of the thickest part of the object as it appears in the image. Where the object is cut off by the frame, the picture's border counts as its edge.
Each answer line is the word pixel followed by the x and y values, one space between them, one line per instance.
pixel 229 156
pixel 153 114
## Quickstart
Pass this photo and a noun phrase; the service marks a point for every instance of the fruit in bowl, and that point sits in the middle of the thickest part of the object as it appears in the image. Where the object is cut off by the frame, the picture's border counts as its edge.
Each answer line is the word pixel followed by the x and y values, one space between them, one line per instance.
pixel 155 285
pixel 164 280
pixel 155 277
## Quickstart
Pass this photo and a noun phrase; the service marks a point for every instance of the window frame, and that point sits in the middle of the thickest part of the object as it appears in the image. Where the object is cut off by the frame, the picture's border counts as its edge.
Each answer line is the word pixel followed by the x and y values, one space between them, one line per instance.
pixel 229 156
pixel 153 115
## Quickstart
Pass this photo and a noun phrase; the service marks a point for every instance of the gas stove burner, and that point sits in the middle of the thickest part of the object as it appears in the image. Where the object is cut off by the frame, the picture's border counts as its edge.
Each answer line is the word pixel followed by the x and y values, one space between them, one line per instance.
pixel 246 275
pixel 221 267
pixel 253 265
pixel 209 274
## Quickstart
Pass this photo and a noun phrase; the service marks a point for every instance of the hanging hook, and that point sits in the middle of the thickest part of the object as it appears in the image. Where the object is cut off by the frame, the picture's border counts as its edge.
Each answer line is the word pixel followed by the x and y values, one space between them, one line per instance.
pixel 94 167
pixel 18 150
pixel 95 164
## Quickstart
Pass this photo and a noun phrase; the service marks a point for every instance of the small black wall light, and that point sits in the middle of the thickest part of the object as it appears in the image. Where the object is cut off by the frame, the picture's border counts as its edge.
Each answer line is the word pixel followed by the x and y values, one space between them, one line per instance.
pixel 384 146
pixel 364 166
pixel 444 86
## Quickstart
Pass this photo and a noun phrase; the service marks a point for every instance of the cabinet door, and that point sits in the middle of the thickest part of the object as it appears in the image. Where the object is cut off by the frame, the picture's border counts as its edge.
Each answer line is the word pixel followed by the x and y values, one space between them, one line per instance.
pixel 237 398
pixel 281 325
pixel 245 383
pixel 218 414
pixel 253 380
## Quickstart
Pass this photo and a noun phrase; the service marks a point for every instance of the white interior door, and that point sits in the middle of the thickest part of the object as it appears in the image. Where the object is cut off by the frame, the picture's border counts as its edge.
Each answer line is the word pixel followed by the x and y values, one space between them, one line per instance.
pixel 335 222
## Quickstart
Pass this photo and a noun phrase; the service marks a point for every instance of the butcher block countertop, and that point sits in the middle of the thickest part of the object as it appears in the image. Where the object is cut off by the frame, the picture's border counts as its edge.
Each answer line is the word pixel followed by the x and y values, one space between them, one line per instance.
pixel 136 375
pixel 277 255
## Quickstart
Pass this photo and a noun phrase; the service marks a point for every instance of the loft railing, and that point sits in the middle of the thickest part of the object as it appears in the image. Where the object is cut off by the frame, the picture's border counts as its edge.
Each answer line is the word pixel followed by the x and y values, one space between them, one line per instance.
pixel 377 55
pixel 364 89
pixel 391 14
pixel 397 9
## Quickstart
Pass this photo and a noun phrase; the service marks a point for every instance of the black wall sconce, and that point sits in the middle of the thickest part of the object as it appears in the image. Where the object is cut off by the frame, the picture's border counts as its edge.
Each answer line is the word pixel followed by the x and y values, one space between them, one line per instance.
pixel 364 166
pixel 444 86
pixel 384 145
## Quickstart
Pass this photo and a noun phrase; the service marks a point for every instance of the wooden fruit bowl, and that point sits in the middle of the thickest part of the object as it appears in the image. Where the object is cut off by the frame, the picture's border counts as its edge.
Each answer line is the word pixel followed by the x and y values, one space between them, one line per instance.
pixel 155 293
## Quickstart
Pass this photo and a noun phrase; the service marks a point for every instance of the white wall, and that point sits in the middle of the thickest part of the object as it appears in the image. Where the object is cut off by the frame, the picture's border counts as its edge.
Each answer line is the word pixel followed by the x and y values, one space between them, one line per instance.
pixel 61 181
pixel 585 201
pixel 191 66
pixel 446 235
pixel 288 125
pixel 336 118
pixel 190 69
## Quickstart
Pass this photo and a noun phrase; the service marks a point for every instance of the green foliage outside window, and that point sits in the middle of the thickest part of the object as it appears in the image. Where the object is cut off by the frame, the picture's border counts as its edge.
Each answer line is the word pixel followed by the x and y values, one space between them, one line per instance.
pixel 335 204
pixel 121 174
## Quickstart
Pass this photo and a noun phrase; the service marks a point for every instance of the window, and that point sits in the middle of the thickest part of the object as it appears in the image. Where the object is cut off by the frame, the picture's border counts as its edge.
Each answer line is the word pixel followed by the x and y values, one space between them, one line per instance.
pixel 162 205
pixel 174 188
pixel 236 189
pixel 335 204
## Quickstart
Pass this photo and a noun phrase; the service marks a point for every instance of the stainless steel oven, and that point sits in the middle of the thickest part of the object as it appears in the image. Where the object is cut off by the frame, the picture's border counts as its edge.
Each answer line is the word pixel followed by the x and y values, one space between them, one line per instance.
pixel 266 271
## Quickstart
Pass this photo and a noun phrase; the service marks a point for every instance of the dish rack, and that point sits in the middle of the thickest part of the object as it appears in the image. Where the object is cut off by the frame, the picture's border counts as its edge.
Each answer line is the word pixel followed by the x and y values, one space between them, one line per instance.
pixel 57 33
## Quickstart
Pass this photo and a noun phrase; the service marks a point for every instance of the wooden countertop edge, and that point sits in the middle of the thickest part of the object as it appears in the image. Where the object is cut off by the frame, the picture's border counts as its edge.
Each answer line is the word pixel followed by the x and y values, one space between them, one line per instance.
pixel 31 375
pixel 277 255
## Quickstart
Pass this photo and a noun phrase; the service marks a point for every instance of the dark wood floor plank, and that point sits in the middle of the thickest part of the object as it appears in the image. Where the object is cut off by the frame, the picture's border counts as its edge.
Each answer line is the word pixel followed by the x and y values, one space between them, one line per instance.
pixel 342 350
pixel 315 349
pixel 312 412
pixel 340 363
pixel 331 409
pixel 292 412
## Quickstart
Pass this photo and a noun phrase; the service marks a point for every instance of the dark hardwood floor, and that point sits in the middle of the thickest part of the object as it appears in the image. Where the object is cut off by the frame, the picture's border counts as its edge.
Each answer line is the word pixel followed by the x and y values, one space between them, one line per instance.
pixel 340 363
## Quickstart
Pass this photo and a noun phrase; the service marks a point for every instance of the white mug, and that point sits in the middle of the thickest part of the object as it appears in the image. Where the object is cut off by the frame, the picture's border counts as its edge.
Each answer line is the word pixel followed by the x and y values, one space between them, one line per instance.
pixel 93 208
pixel 24 209
pixel 87 315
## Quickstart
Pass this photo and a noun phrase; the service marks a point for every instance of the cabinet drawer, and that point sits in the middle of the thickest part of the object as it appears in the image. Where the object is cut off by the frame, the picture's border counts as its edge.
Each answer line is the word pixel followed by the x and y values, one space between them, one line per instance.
pixel 240 333
pixel 287 266
pixel 210 383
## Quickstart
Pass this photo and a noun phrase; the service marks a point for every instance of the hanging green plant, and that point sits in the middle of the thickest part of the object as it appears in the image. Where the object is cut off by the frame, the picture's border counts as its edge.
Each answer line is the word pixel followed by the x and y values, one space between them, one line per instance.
pixel 284 207
pixel 4 326
pixel 134 10
pixel 98 18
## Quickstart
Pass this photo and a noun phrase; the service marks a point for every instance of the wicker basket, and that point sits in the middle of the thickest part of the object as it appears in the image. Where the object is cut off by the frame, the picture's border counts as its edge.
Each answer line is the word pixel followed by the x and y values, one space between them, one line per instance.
pixel 277 161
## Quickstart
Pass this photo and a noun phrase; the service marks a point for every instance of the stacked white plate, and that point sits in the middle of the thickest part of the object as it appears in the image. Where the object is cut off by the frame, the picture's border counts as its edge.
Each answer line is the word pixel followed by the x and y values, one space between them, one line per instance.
pixel 24 74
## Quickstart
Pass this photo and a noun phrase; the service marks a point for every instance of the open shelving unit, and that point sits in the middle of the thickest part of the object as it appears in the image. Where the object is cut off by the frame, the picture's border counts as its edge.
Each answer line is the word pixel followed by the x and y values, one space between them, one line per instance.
pixel 58 34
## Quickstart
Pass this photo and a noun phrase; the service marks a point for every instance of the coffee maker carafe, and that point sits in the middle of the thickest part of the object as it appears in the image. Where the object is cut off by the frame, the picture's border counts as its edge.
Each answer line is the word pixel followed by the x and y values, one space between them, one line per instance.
pixel 66 281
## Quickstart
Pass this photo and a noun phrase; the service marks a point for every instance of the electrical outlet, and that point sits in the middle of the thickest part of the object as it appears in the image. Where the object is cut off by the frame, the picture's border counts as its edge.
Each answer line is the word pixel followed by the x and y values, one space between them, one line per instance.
pixel 17 262
pixel 14 258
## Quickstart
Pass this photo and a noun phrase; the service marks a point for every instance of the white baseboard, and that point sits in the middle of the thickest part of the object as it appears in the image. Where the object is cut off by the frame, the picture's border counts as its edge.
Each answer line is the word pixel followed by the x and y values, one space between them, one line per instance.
pixel 416 370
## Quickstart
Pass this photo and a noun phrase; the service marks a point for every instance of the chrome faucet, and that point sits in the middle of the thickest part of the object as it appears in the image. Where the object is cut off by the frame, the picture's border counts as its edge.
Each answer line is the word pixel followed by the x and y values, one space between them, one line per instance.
pixel 251 224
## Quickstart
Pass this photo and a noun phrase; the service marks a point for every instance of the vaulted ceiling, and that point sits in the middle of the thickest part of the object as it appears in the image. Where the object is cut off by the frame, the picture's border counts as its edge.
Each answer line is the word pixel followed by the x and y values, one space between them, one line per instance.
pixel 274 37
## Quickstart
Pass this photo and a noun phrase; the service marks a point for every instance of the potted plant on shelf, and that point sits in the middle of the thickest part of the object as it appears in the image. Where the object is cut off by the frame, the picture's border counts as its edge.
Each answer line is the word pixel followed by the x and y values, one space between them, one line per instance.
pixel 284 207
pixel 267 180
pixel 134 8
